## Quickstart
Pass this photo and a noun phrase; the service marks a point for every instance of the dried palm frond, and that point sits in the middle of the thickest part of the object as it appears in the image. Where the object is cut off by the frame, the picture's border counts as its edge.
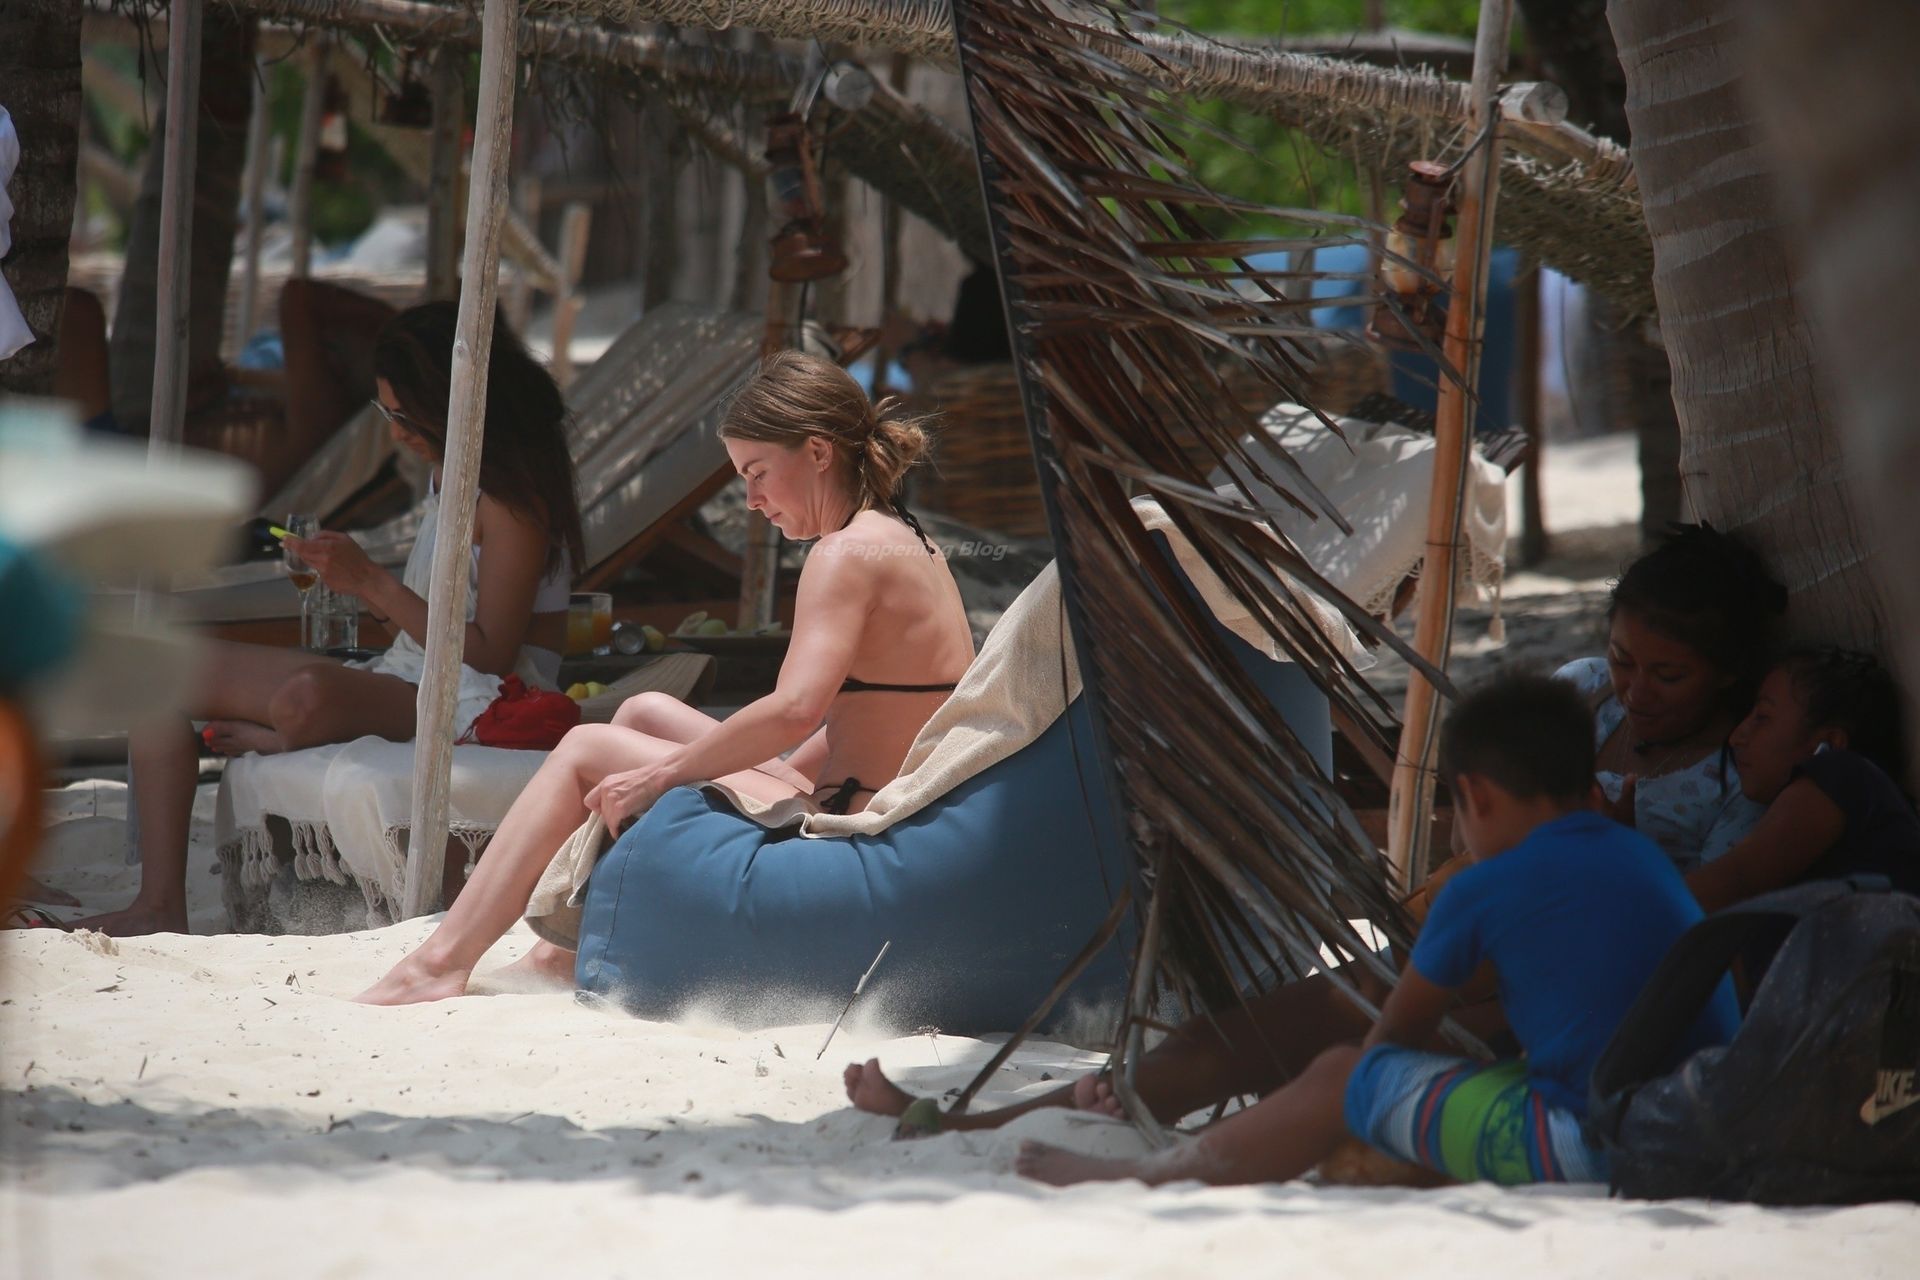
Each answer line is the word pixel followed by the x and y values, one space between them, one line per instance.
pixel 1123 303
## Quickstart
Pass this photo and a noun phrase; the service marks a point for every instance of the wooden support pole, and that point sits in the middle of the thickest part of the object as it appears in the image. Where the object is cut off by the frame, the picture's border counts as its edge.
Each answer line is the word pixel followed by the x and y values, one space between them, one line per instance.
pixel 1526 396
pixel 576 221
pixel 447 596
pixel 1410 805
pixel 760 566
pixel 519 306
pixel 172 310
pixel 255 189
pixel 305 154
pixel 443 175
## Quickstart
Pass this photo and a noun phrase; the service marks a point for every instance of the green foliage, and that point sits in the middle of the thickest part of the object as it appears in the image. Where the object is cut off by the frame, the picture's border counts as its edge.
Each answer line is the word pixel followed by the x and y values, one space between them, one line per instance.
pixel 1256 157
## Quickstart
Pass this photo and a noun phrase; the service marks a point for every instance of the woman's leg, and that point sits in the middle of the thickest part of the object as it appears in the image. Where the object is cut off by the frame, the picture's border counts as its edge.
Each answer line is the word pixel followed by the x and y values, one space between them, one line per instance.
pixel 1275 1140
pixel 1251 1049
pixel 242 683
pixel 546 813
pixel 662 715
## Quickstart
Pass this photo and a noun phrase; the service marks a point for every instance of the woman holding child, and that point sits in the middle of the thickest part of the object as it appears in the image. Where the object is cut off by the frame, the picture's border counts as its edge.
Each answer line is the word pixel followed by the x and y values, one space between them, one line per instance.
pixel 821 462
pixel 526 536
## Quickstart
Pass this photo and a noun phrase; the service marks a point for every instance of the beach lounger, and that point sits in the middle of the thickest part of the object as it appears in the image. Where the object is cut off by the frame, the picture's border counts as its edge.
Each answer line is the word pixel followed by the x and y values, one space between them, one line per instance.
pixel 643 443
pixel 647 454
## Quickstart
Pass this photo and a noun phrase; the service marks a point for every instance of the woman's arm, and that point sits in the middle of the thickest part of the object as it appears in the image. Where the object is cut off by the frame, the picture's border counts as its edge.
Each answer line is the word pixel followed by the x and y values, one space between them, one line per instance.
pixel 512 562
pixel 1799 826
pixel 831 607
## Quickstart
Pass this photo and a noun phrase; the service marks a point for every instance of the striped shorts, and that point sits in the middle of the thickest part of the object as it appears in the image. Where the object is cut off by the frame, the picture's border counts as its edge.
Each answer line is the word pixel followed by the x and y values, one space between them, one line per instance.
pixel 1476 1122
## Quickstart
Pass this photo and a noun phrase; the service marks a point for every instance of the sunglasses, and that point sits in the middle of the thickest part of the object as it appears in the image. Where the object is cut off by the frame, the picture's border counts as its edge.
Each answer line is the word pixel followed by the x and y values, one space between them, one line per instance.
pixel 400 417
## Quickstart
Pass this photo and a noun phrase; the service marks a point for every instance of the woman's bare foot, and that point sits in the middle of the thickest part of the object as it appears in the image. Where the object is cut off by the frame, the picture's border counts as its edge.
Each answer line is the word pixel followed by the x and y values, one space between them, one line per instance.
pixel 1095 1093
pixel 869 1089
pixel 544 968
pixel 135 921
pixel 1062 1168
pixel 238 737
pixel 413 981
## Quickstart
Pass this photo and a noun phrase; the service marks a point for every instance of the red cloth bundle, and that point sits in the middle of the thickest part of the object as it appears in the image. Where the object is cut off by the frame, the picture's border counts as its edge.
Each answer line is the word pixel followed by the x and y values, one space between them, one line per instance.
pixel 524 719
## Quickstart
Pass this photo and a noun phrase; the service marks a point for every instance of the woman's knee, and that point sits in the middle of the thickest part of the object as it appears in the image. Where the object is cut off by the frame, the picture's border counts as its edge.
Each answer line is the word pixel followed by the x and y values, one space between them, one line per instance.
pixel 298 708
pixel 645 711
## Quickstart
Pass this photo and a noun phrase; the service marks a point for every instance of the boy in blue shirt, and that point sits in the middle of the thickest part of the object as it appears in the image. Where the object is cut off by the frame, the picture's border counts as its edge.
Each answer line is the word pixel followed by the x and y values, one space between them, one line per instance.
pixel 1573 913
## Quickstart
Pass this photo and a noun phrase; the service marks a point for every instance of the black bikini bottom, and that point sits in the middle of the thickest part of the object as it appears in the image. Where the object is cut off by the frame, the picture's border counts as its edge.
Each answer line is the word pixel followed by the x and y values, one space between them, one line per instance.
pixel 842 798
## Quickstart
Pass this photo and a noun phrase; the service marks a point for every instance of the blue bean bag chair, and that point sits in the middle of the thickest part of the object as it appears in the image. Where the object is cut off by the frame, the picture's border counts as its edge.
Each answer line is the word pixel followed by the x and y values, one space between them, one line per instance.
pixel 986 895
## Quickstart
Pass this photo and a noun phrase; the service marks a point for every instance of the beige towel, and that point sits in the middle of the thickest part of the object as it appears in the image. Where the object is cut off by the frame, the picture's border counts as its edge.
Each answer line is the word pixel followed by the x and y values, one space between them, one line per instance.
pixel 1018 685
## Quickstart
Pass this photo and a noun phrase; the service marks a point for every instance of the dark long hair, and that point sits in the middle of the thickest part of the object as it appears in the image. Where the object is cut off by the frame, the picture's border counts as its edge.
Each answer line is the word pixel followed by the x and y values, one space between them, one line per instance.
pixel 1711 592
pixel 524 463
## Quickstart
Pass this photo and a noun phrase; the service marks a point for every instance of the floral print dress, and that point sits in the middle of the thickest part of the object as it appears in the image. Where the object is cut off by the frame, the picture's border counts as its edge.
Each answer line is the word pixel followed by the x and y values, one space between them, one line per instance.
pixel 1694 814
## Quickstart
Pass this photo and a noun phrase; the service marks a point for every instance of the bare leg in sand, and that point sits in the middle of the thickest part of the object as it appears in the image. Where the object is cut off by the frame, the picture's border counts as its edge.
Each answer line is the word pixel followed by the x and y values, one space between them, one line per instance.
pixel 292 697
pixel 1249 1050
pixel 658 715
pixel 547 812
pixel 1275 1140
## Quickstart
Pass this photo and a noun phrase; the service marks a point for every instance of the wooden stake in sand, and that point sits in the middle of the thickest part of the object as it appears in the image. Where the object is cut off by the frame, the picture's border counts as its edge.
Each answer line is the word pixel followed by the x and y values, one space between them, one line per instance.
pixel 258 136
pixel 1411 799
pixel 305 154
pixel 167 409
pixel 857 989
pixel 460 471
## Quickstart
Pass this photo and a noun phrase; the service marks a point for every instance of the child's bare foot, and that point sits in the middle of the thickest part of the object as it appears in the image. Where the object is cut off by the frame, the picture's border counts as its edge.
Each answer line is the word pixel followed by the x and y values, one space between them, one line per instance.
pixel 869 1089
pixel 544 968
pixel 1061 1168
pixel 1095 1093
pixel 238 737
pixel 413 981
pixel 136 921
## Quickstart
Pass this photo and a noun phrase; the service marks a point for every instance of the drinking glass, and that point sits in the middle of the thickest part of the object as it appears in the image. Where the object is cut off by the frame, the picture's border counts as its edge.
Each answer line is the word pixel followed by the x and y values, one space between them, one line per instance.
pixel 299 572
pixel 589 622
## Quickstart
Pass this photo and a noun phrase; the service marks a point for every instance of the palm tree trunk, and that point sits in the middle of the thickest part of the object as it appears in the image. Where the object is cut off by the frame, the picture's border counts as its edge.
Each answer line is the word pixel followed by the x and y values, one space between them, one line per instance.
pixel 226 101
pixel 1839 109
pixel 1760 451
pixel 40 69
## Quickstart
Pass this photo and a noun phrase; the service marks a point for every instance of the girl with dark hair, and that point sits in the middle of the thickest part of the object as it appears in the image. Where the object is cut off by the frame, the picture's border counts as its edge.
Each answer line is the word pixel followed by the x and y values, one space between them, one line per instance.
pixel 1689 634
pixel 526 538
pixel 821 462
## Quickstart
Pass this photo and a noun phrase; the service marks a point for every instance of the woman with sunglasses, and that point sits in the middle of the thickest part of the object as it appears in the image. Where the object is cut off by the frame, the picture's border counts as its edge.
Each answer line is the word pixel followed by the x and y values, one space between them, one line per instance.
pixel 526 540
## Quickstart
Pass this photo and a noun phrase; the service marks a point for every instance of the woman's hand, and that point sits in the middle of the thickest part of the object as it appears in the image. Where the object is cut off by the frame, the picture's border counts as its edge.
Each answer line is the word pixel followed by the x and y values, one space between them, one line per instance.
pixel 340 562
pixel 1620 809
pixel 621 797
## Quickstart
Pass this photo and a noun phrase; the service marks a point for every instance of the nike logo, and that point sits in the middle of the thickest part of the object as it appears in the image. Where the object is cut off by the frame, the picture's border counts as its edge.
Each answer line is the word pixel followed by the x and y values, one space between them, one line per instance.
pixel 1893 1092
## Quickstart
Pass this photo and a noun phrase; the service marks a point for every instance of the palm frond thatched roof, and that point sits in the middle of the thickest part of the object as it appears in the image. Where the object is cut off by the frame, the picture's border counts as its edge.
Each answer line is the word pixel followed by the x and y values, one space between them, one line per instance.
pixel 1122 307
pixel 1567 197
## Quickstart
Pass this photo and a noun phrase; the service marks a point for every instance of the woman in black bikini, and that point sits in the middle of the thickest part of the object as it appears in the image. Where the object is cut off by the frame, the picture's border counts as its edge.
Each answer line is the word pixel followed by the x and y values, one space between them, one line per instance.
pixel 821 462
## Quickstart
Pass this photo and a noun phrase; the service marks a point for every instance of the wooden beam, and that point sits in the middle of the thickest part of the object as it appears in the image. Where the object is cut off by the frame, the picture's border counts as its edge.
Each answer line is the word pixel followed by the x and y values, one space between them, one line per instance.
pixel 306 152
pixel 443 175
pixel 1411 803
pixel 447 596
pixel 255 188
pixel 576 221
pixel 171 311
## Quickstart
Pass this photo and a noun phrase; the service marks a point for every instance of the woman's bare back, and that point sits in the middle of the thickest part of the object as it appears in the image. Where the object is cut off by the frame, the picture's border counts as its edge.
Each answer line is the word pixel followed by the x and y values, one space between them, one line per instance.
pixel 916 634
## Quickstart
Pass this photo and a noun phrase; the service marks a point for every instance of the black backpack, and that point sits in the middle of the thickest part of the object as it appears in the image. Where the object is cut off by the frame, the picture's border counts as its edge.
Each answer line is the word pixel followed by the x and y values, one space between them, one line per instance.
pixel 1817 1099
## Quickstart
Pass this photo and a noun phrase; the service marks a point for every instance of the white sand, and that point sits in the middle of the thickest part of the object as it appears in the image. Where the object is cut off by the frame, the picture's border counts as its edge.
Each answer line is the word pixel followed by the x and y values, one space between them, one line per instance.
pixel 216 1106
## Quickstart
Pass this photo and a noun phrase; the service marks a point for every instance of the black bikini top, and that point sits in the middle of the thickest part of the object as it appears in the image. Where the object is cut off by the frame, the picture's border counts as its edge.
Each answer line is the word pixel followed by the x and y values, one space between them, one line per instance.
pixel 851 685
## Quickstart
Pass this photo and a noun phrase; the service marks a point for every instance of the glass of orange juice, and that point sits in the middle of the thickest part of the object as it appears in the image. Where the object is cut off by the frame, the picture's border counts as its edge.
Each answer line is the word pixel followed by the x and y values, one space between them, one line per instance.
pixel 589 622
